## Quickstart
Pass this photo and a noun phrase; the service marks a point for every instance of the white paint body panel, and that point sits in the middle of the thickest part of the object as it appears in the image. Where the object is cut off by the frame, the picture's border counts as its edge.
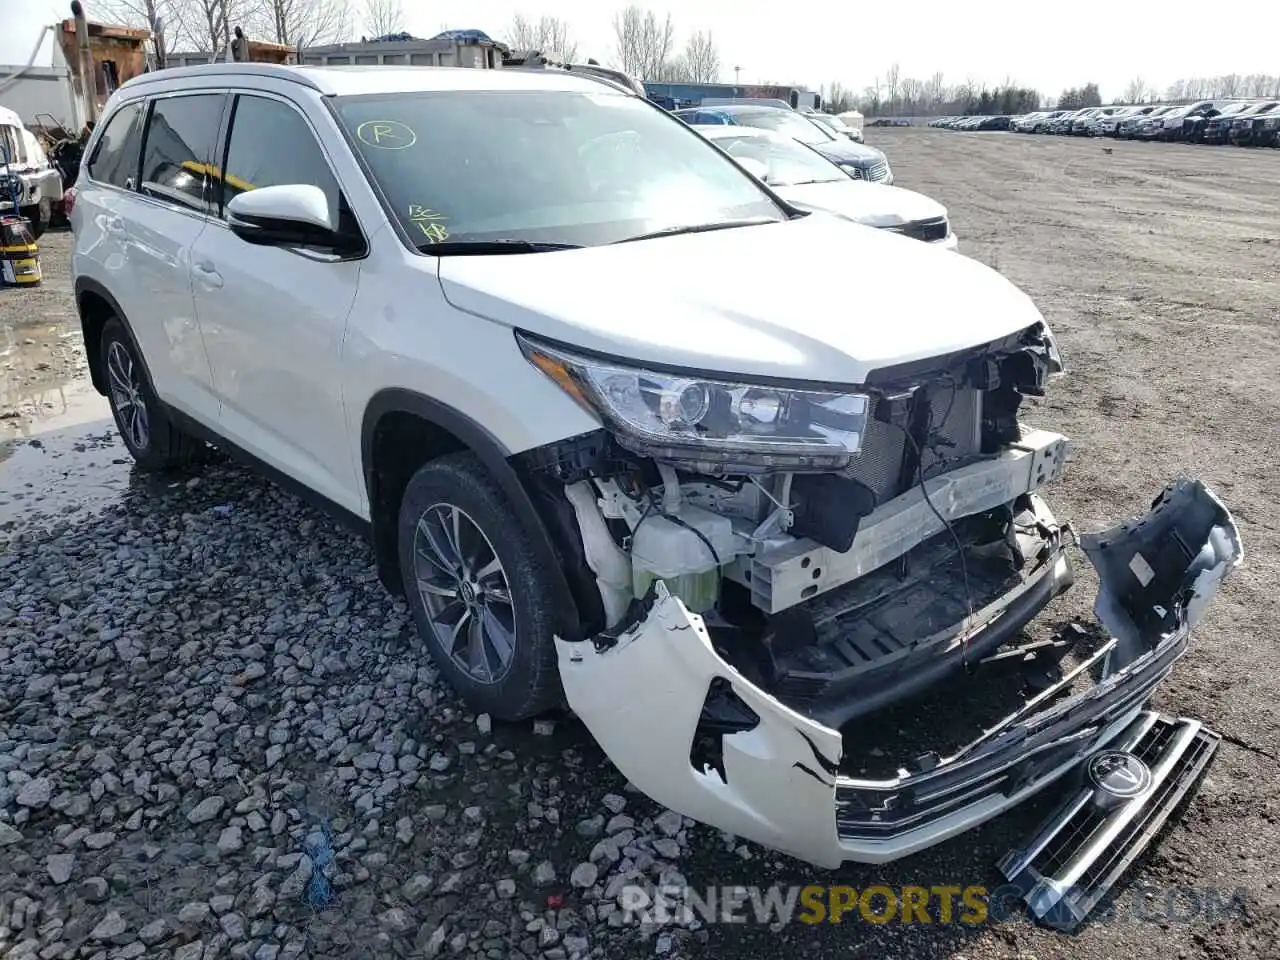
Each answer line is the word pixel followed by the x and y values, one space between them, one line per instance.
pixel 641 700
pixel 733 301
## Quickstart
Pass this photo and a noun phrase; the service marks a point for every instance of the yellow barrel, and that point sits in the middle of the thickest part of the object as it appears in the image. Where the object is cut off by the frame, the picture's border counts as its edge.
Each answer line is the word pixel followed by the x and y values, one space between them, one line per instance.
pixel 19 254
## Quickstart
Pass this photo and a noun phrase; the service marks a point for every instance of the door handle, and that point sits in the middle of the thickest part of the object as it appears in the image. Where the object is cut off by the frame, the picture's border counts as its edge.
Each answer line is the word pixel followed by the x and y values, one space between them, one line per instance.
pixel 207 274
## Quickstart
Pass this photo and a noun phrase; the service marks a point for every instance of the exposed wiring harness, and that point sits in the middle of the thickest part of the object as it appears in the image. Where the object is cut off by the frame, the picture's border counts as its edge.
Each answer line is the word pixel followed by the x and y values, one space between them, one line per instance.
pixel 652 506
pixel 950 528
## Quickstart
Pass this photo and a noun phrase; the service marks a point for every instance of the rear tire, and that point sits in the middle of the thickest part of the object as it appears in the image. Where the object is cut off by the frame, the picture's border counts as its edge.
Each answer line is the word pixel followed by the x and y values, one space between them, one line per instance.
pixel 154 441
pixel 480 600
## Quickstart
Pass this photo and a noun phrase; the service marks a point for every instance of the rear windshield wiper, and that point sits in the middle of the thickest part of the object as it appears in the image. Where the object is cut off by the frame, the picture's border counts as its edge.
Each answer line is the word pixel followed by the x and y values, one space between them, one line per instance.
pixel 699 228
pixel 453 248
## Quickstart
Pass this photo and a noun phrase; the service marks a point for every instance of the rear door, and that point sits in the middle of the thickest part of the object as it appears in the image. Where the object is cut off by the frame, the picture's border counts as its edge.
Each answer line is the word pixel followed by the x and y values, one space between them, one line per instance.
pixel 174 203
pixel 274 318
pixel 136 246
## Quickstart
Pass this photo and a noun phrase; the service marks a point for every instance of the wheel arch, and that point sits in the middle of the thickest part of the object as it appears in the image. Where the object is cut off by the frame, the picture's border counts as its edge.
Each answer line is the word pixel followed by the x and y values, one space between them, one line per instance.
pixel 438 429
pixel 96 305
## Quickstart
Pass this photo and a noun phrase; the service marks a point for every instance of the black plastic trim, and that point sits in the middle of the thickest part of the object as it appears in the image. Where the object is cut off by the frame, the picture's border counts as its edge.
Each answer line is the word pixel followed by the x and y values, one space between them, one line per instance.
pixel 842 702
pixel 495 457
pixel 85 285
pixel 196 428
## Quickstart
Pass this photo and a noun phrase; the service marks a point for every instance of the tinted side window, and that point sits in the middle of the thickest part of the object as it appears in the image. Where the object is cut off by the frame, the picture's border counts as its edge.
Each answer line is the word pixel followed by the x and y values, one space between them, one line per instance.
pixel 178 149
pixel 115 160
pixel 272 145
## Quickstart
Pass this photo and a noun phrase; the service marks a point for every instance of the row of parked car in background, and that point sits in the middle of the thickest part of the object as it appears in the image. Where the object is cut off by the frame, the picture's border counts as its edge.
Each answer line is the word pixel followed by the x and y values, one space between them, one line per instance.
pixel 1246 123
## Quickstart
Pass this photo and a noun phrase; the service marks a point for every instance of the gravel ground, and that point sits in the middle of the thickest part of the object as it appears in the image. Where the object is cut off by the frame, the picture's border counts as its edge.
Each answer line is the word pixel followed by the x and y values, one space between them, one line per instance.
pixel 217 736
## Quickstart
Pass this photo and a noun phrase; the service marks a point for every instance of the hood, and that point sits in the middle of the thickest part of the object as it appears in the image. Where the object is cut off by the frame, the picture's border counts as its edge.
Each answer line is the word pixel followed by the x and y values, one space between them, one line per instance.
pixel 739 301
pixel 874 204
pixel 845 150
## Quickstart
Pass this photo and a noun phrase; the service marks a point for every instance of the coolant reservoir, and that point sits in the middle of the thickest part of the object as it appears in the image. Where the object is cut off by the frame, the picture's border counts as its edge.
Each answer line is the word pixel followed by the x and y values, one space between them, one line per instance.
pixel 663 549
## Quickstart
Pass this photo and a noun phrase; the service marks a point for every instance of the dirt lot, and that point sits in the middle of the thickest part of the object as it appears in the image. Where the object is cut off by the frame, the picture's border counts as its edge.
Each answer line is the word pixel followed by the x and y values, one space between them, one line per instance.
pixel 219 697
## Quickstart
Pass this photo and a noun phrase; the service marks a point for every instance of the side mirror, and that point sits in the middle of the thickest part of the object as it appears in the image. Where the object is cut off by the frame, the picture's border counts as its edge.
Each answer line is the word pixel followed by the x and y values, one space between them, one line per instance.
pixel 757 168
pixel 294 214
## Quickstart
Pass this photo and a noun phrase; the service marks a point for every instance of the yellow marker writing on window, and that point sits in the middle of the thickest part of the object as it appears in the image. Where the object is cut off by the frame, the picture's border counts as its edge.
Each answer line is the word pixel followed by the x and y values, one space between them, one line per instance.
pixel 386 134
pixel 429 222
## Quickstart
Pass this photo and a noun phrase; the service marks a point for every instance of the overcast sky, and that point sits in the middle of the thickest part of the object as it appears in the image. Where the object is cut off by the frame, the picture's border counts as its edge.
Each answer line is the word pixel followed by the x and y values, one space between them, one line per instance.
pixel 1045 45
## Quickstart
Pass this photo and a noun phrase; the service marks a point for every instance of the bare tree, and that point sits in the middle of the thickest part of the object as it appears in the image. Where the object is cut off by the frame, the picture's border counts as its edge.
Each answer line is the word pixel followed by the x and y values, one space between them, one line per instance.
pixel 701 58
pixel 300 23
pixel 935 91
pixel 836 97
pixel 205 25
pixel 549 35
pixel 643 43
pixel 912 95
pixel 891 83
pixel 1133 93
pixel 382 17
pixel 158 16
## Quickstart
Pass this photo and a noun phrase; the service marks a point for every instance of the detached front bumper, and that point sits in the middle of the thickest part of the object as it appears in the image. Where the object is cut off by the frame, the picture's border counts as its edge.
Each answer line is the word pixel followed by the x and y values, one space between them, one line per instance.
pixel 643 694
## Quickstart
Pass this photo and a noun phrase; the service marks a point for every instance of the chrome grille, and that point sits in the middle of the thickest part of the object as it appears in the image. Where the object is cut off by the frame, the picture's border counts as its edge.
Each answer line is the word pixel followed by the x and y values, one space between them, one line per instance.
pixel 877 171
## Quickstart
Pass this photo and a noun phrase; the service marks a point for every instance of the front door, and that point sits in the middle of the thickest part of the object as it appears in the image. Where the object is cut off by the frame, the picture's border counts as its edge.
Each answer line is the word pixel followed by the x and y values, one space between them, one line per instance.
pixel 273 318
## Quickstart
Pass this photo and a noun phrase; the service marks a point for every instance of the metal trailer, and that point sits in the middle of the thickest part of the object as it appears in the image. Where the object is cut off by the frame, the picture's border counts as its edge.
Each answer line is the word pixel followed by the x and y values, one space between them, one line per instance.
pixel 453 48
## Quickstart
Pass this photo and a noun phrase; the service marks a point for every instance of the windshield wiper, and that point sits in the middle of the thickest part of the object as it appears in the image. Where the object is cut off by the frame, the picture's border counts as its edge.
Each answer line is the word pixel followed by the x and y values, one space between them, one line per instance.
pixel 453 248
pixel 699 228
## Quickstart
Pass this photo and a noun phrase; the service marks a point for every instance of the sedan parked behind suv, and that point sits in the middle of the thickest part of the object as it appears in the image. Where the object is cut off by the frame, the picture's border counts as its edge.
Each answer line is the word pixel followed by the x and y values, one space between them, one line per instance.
pixel 804 177
pixel 856 159
pixel 617 454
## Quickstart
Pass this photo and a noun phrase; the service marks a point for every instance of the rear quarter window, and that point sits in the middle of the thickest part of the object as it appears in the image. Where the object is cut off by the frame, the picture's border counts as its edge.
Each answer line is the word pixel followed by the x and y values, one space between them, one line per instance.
pixel 115 158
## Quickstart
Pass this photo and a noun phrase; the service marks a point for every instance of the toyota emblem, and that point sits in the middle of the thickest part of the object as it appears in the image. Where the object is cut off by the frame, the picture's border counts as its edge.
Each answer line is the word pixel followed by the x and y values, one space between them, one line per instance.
pixel 1118 774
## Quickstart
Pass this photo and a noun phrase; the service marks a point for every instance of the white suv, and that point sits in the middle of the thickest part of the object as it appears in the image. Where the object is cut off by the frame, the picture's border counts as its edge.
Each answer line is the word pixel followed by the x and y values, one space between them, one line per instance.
pixel 562 359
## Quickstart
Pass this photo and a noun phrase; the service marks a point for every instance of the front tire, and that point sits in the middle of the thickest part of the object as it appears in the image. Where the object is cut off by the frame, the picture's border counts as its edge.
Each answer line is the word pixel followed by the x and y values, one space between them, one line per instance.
pixel 481 603
pixel 153 440
pixel 40 215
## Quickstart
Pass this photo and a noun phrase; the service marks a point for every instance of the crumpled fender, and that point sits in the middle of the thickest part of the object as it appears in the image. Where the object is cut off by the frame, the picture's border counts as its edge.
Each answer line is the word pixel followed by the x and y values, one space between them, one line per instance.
pixel 642 698
pixel 641 690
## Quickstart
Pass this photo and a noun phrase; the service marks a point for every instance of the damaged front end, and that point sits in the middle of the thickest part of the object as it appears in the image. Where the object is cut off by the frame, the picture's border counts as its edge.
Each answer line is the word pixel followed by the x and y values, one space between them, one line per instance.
pixel 646 693
pixel 774 570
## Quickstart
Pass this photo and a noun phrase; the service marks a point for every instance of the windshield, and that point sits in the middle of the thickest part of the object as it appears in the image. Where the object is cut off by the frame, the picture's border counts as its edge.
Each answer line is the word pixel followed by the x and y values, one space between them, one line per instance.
pixel 543 166
pixel 790 164
pixel 788 124
pixel 834 124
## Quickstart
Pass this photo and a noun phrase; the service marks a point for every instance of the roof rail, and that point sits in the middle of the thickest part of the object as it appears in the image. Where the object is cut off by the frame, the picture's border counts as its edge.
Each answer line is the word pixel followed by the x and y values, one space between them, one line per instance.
pixel 536 60
pixel 223 69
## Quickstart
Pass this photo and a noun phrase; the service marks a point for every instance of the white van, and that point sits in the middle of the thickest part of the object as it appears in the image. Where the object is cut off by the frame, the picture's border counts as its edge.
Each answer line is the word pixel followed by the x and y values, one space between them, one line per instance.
pixel 29 184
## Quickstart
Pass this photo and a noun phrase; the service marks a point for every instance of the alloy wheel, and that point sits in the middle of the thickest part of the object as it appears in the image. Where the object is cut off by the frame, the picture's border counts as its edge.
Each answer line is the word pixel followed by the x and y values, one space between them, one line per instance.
pixel 465 592
pixel 125 382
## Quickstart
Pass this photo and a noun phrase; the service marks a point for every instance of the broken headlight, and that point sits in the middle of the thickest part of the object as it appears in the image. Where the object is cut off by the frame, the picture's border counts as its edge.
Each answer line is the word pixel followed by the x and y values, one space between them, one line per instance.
pixel 689 416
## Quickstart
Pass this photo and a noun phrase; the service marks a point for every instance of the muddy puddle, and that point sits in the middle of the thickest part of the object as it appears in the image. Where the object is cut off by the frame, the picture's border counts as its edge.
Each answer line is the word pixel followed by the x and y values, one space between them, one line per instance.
pixel 59 453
